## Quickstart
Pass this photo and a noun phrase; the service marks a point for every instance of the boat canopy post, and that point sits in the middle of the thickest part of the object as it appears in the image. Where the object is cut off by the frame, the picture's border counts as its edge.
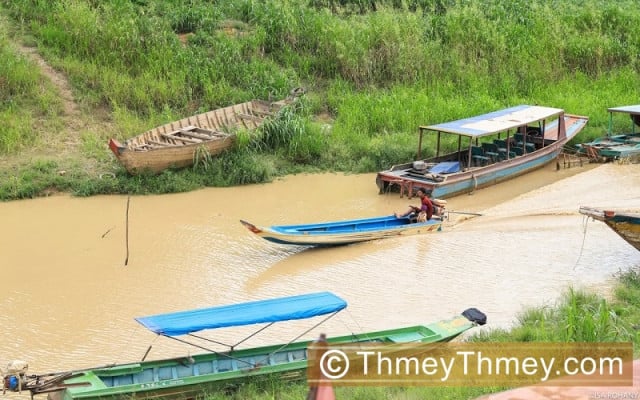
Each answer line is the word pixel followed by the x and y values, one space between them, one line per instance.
pixel 611 124
pixel 438 144
pixel 421 130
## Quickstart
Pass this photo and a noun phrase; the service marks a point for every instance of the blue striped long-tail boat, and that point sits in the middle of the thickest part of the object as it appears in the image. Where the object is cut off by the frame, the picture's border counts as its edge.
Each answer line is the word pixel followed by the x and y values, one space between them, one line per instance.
pixel 344 232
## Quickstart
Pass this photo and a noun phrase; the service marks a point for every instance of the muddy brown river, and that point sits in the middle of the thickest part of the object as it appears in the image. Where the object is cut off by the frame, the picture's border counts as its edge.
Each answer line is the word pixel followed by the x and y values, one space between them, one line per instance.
pixel 69 301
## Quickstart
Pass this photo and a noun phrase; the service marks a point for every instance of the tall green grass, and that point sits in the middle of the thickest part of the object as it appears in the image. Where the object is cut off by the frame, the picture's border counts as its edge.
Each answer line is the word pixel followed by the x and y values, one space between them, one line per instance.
pixel 375 70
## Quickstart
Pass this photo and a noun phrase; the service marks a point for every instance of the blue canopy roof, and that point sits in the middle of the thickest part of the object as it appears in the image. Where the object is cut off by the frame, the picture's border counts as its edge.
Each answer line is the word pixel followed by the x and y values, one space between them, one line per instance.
pixel 253 312
pixel 497 121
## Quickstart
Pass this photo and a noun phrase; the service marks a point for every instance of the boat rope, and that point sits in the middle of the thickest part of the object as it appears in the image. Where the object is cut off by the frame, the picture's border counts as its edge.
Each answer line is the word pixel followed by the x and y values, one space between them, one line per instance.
pixel 585 221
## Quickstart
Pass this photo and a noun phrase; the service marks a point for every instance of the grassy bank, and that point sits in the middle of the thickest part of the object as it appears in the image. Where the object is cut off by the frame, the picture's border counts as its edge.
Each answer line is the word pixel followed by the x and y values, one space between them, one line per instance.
pixel 374 71
pixel 578 316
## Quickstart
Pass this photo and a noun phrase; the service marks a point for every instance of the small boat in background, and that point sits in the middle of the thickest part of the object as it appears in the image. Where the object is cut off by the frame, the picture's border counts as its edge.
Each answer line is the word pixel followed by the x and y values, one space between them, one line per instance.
pixel 626 224
pixel 178 144
pixel 193 376
pixel 489 148
pixel 344 232
pixel 615 146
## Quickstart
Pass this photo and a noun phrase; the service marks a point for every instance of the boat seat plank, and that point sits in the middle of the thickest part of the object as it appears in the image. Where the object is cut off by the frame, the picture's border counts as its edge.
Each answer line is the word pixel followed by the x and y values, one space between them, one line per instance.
pixel 195 135
pixel 182 139
pixel 162 144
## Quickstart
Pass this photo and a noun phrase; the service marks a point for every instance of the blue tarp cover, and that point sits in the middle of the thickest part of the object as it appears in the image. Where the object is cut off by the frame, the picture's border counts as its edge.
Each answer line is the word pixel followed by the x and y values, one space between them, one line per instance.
pixel 254 312
pixel 445 167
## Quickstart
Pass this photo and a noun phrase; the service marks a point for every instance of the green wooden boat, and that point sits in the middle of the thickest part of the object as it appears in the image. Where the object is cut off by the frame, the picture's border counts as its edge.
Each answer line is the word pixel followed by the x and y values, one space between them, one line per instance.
pixel 191 377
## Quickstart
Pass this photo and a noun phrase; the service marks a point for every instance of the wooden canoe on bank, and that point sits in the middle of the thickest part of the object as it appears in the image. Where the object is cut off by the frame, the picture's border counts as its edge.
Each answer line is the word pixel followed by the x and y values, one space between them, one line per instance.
pixel 178 144
pixel 625 224
pixel 192 376
pixel 344 232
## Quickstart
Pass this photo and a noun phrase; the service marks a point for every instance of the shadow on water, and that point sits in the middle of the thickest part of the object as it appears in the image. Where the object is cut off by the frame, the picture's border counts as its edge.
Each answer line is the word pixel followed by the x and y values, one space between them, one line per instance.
pixel 302 260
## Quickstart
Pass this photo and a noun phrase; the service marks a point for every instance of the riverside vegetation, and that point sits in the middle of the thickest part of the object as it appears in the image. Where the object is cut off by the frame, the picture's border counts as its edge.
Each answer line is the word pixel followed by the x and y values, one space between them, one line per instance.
pixel 76 72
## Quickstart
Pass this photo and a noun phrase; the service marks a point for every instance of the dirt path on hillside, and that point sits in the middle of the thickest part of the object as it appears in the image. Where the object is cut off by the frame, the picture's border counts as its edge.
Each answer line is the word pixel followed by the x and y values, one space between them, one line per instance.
pixel 58 79
pixel 64 143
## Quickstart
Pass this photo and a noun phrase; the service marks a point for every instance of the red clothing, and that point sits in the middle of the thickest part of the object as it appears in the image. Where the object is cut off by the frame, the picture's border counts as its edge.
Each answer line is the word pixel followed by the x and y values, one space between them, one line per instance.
pixel 427 206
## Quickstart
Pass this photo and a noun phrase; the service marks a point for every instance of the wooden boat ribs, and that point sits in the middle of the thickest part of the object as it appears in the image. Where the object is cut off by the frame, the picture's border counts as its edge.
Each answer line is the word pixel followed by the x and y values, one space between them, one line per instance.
pixel 176 144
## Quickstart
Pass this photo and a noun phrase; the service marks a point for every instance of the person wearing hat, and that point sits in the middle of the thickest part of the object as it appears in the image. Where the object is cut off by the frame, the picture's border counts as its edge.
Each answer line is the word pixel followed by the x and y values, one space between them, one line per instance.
pixel 422 213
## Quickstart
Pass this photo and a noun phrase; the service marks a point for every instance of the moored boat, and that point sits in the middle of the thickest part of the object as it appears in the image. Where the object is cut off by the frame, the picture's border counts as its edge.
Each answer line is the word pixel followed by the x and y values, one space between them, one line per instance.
pixel 615 146
pixel 345 232
pixel 498 146
pixel 194 375
pixel 178 144
pixel 624 223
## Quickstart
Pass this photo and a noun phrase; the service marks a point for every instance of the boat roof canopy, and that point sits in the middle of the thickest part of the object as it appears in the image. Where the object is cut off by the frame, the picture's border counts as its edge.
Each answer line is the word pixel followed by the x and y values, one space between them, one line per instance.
pixel 626 109
pixel 253 312
pixel 495 122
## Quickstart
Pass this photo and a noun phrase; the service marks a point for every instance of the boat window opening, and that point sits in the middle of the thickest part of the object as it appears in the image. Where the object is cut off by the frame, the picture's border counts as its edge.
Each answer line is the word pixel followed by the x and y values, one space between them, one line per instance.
pixel 246 363
pixel 107 380
pixel 205 367
pixel 299 354
pixel 184 370
pixel 280 357
pixel 225 365
pixel 164 373
pixel 144 377
pixel 123 380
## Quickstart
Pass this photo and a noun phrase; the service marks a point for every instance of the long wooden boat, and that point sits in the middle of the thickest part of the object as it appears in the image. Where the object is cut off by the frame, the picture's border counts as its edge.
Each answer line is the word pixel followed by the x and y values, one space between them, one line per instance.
pixel 615 146
pixel 179 143
pixel 192 376
pixel 626 224
pixel 335 233
pixel 497 146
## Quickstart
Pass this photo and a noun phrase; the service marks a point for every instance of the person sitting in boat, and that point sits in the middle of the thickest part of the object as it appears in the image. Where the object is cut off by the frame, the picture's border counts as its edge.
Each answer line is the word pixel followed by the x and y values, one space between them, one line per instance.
pixel 422 213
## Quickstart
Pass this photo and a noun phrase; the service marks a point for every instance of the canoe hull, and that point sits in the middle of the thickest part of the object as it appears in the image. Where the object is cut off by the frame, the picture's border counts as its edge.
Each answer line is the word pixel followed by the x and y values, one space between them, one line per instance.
pixel 468 179
pixel 182 143
pixel 344 232
pixel 625 224
pixel 193 376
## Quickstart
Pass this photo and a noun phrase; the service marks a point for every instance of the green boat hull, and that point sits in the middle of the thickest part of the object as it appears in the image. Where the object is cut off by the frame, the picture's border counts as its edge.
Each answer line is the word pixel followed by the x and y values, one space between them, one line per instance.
pixel 194 376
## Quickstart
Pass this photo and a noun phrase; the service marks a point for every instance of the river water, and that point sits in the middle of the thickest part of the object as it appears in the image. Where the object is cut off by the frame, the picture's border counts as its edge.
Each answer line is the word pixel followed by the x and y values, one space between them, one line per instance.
pixel 77 271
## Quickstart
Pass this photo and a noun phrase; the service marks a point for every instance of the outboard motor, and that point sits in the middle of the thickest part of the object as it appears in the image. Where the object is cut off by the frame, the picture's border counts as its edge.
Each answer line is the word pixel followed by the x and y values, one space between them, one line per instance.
pixel 14 377
pixel 474 315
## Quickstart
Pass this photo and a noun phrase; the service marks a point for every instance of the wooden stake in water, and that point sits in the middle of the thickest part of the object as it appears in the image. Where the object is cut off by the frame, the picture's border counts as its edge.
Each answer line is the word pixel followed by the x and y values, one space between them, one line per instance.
pixel 126 261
